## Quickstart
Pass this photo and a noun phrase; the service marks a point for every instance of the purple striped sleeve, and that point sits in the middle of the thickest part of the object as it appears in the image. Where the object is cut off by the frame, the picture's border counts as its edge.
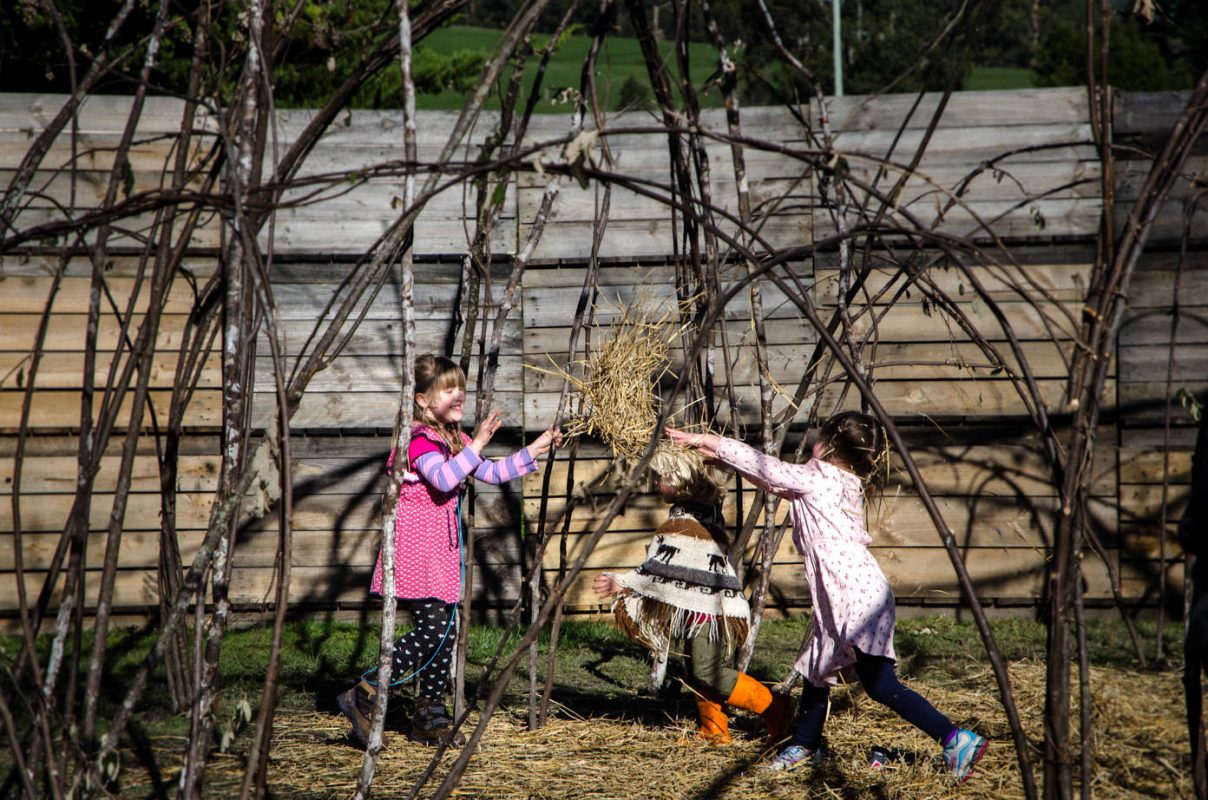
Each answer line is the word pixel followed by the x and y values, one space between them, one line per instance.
pixel 444 475
pixel 506 469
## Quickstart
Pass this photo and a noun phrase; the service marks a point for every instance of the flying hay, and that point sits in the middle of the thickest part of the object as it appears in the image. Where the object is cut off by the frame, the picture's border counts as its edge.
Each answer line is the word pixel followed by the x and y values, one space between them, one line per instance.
pixel 617 382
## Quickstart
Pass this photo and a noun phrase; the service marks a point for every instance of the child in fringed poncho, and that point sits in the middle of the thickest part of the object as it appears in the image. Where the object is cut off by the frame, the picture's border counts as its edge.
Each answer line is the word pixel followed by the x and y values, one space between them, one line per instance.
pixel 686 596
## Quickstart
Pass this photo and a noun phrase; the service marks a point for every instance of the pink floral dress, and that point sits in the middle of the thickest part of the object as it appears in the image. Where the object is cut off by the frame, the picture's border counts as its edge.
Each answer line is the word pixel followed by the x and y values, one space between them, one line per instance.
pixel 853 604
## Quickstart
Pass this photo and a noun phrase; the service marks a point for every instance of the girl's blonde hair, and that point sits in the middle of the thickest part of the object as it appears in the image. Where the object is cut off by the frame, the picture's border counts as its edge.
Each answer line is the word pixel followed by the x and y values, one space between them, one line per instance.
pixel 858 442
pixel 432 375
pixel 686 477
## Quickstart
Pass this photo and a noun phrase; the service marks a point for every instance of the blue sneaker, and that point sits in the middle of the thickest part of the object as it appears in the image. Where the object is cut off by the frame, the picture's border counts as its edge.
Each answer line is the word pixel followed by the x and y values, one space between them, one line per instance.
pixel 962 752
pixel 795 756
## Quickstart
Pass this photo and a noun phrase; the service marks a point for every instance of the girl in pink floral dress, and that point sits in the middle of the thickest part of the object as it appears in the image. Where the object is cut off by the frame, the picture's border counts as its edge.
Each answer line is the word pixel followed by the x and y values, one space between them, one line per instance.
pixel 853 605
pixel 427 542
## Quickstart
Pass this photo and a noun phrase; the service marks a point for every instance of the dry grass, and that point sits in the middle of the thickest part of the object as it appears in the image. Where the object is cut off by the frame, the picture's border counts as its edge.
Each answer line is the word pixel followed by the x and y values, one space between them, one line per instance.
pixel 617 383
pixel 1140 752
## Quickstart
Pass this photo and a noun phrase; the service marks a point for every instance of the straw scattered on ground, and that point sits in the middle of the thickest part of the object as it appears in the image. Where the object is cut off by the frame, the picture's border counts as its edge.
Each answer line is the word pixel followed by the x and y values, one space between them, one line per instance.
pixel 1138 718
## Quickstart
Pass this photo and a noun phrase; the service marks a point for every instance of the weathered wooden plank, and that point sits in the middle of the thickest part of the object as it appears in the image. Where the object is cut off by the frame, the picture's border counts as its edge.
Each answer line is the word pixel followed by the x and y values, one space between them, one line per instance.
pixel 294 300
pixel 65 332
pixel 311 230
pixel 42 265
pixel 42 475
pixel 1142 502
pixel 347 547
pixel 1153 326
pixel 1149 403
pixel 1002 282
pixel 32 112
pixel 909 321
pixel 771 196
pixel 363 373
pixel 1149 113
pixel 1060 141
pixel 384 338
pixel 985 399
pixel 85 188
pixel 1180 436
pixel 1059 216
pixel 786 363
pixel 255 586
pixel 652 289
pixel 1160 288
pixel 129 233
pixel 325 511
pixel 57 409
pixel 1149 465
pixel 997 463
pixel 1187 365
pixel 987 521
pixel 555 340
pixel 58 370
pixel 362 409
pixel 958 473
pixel 95 151
pixel 645 238
pixel 432 301
pixel 964 109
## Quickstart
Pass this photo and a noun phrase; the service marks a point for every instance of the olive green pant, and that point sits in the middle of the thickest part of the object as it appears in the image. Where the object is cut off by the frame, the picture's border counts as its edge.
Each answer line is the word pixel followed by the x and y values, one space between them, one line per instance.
pixel 708 664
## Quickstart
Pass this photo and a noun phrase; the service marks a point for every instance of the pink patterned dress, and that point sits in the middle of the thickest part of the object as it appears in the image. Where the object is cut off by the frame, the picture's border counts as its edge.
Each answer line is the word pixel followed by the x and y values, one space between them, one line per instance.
pixel 427 537
pixel 853 604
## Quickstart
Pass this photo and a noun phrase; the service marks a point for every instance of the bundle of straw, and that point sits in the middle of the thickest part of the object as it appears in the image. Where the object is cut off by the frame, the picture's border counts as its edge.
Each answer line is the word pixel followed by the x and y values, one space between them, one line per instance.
pixel 617 382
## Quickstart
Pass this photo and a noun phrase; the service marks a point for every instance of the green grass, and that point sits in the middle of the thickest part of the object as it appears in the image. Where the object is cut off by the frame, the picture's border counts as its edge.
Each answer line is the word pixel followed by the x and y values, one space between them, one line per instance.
pixel 998 78
pixel 619 59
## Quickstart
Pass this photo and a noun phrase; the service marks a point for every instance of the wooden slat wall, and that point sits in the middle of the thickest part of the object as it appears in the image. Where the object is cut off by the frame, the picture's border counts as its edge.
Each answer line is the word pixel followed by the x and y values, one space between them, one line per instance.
pixel 1163 343
pixel 965 423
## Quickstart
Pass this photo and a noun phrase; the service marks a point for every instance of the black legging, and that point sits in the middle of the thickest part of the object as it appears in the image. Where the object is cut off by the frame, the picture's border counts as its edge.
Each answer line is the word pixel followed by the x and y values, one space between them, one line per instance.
pixel 427 647
pixel 880 681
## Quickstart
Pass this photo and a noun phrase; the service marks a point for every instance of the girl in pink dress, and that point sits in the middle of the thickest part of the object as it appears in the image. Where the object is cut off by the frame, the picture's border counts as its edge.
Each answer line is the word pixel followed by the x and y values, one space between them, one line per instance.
pixel 427 542
pixel 853 605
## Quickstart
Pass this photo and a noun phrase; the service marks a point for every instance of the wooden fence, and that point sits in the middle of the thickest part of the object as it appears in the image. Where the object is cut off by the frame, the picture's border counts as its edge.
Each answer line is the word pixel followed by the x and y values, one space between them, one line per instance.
pixel 1028 176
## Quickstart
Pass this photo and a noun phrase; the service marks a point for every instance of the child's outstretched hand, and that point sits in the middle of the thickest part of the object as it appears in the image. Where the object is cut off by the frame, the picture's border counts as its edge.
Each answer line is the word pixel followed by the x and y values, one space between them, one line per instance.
pixel 706 443
pixel 605 585
pixel 485 430
pixel 549 438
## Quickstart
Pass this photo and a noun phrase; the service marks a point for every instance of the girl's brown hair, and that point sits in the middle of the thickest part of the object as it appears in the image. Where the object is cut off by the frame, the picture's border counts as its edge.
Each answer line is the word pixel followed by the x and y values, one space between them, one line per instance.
pixel 686 477
pixel 858 442
pixel 432 374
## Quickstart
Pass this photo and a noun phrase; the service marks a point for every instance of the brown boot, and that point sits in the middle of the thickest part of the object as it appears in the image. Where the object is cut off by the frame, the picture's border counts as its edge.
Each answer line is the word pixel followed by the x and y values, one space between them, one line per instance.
pixel 431 725
pixel 357 705
pixel 714 725
pixel 752 695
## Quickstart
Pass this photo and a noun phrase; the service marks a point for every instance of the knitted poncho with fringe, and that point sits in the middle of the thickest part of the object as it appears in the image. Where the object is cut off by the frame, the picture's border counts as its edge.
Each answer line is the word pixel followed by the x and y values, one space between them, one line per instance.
pixel 685 585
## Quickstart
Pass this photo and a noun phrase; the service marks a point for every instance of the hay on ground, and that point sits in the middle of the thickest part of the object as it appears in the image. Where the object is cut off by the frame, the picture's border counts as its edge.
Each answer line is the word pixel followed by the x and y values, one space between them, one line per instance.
pixel 1140 750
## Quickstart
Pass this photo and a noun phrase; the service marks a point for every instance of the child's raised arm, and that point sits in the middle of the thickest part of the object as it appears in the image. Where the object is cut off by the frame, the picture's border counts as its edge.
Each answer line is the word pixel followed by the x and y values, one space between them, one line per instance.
pixel 776 476
pixel 551 437
pixel 706 443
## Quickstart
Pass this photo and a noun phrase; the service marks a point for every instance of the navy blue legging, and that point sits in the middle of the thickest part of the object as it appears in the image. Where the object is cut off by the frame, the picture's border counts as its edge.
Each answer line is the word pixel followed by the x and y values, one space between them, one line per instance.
pixel 880 681
pixel 428 647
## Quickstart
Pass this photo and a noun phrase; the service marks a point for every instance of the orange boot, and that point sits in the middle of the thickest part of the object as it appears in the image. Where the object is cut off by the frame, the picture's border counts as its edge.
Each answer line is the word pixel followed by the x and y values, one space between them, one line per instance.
pixel 714 725
pixel 772 708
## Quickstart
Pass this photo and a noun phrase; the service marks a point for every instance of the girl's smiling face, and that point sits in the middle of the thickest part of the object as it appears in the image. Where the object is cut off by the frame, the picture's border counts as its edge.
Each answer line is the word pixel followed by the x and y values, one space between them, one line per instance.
pixel 446 405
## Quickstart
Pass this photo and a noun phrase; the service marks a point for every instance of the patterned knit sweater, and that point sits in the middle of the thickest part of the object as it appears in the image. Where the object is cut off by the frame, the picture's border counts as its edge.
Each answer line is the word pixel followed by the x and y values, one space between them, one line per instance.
pixel 685 585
